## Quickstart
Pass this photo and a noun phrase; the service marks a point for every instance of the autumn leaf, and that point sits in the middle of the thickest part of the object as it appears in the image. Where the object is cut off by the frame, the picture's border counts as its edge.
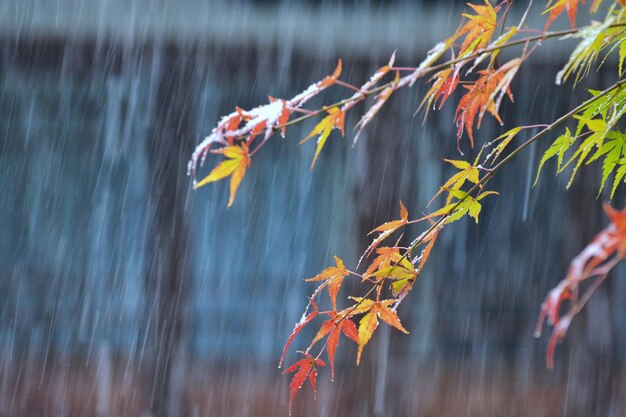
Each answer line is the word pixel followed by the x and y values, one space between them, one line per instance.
pixel 392 265
pixel 233 121
pixel 386 230
pixel 369 322
pixel 389 316
pixel 306 367
pixel 315 88
pixel 430 239
pixel 395 224
pixel 337 324
pixel 298 327
pixel 595 261
pixel 444 84
pixel 404 270
pixel 559 7
pixel 235 167
pixel 485 95
pixel 468 172
pixel 386 257
pixel 256 130
pixel 367 326
pixel 333 278
pixel 332 79
pixel 266 118
pixel 479 28
pixel 335 119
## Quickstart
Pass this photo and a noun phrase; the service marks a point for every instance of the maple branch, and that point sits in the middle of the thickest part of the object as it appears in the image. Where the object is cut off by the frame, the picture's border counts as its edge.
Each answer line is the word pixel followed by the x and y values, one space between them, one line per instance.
pixel 355 273
pixel 259 146
pixel 347 85
pixel 308 114
pixel 444 65
pixel 490 174
pixel 479 186
pixel 300 110
pixel 549 127
pixel 592 288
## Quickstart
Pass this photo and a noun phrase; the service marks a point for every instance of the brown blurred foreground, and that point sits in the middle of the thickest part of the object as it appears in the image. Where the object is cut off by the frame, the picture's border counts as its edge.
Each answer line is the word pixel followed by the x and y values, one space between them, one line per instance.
pixel 85 388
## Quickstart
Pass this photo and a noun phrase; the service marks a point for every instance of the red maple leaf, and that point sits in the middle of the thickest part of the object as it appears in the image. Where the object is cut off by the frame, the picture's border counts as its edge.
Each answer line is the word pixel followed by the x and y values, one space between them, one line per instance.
pixel 306 367
pixel 337 324
pixel 595 261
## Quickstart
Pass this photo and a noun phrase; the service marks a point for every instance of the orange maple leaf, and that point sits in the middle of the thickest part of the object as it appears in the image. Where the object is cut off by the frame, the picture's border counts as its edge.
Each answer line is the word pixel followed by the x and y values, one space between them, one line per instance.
pixel 480 27
pixel 333 278
pixel 387 255
pixel 335 119
pixel 391 265
pixel 332 79
pixel 232 122
pixel 430 239
pixel 444 84
pixel 373 310
pixel 560 6
pixel 333 328
pixel 235 167
pixel 306 367
pixel 385 230
pixel 485 95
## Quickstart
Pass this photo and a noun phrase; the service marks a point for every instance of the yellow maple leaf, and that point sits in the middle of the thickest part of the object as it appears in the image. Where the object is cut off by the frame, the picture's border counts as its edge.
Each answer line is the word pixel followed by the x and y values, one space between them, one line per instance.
pixel 235 167
pixel 335 119
pixel 369 322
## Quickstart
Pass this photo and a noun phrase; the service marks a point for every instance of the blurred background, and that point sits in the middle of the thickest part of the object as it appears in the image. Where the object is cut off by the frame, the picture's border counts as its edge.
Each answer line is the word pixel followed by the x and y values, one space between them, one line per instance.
pixel 125 293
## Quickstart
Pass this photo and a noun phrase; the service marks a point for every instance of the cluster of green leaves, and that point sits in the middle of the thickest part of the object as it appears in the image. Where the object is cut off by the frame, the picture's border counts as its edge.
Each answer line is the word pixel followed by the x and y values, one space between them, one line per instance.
pixel 597 137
